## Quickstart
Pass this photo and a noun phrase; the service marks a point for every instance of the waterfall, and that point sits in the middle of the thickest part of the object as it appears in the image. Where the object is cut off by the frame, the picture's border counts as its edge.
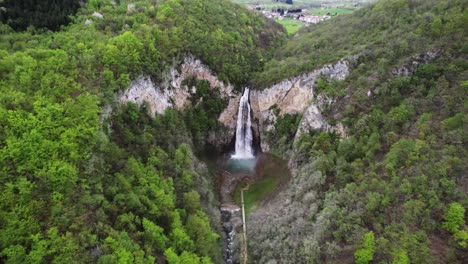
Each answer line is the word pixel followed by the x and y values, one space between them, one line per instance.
pixel 244 129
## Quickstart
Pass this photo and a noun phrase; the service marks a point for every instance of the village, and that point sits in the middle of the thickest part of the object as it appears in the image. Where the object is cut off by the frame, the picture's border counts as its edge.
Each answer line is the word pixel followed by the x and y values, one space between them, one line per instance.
pixel 298 14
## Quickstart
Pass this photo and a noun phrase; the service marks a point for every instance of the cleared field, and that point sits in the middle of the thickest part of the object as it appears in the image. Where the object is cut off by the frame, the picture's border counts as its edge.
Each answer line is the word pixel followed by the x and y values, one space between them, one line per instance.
pixel 257 193
pixel 332 11
pixel 304 3
pixel 314 7
pixel 291 25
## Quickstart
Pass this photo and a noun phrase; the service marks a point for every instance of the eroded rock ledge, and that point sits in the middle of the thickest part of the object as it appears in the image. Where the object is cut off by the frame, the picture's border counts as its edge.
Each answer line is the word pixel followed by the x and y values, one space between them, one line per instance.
pixel 171 93
pixel 296 95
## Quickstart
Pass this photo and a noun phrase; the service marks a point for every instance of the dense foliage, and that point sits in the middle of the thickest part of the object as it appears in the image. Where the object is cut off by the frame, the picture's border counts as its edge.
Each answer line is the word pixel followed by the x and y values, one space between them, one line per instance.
pixel 202 116
pixel 134 37
pixel 51 14
pixel 85 180
pixel 393 190
pixel 285 128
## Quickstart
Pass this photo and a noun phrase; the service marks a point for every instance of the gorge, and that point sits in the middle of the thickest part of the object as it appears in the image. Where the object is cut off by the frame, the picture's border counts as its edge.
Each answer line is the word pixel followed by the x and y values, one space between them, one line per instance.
pixel 129 130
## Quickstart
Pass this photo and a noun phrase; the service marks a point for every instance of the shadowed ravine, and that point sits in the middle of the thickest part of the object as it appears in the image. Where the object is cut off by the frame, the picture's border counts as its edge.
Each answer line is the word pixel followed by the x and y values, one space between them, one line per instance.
pixel 264 172
pixel 239 167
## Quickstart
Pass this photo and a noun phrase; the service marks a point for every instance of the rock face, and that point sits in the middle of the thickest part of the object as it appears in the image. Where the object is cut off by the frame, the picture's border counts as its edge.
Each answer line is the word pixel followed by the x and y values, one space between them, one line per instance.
pixel 97 15
pixel 158 98
pixel 296 95
pixel 195 68
pixel 229 116
pixel 130 8
pixel 311 120
pixel 171 93
pixel 409 68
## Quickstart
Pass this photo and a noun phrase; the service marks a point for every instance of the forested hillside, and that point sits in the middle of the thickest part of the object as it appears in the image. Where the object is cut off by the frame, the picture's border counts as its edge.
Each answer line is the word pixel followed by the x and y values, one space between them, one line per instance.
pixel 384 35
pixel 86 179
pixel 394 189
pixel 80 186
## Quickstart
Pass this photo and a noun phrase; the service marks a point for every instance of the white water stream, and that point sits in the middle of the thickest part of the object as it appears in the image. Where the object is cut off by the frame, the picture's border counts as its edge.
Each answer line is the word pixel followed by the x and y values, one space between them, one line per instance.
pixel 244 135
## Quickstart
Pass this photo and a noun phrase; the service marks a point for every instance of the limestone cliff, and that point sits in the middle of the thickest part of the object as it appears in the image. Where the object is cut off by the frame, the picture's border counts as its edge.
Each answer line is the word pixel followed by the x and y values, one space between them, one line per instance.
pixel 170 93
pixel 296 95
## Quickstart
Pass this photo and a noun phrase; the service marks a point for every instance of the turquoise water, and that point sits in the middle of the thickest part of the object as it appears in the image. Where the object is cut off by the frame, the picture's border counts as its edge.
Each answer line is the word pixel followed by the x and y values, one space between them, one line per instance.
pixel 240 165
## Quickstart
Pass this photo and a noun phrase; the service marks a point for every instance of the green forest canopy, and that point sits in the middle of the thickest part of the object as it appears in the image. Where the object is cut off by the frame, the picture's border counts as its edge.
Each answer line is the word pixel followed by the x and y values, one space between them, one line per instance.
pixel 393 190
pixel 74 189
pixel 128 189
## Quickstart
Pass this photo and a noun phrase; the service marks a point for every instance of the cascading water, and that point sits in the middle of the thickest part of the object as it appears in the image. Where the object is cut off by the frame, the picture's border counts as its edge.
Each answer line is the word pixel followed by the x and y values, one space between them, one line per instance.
pixel 229 229
pixel 244 135
pixel 242 162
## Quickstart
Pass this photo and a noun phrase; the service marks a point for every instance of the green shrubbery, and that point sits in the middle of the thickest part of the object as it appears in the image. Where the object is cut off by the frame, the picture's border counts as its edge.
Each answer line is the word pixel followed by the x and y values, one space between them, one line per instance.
pixel 454 222
pixel 202 116
pixel 365 254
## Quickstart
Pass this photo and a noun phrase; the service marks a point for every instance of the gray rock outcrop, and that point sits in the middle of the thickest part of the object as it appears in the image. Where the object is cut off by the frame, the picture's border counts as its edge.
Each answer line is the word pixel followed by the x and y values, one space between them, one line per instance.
pixel 409 68
pixel 296 95
pixel 97 15
pixel 170 93
pixel 130 8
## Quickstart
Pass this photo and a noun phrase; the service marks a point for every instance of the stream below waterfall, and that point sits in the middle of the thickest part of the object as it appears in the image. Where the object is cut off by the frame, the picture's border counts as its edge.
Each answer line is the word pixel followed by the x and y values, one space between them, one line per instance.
pixel 242 163
pixel 266 174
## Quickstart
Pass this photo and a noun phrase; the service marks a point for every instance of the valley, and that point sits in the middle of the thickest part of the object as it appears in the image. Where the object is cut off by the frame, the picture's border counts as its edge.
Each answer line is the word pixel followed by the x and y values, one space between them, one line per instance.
pixel 207 131
pixel 294 15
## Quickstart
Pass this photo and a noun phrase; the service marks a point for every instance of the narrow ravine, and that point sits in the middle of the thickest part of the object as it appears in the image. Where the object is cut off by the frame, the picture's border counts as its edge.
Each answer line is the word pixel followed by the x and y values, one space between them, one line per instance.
pixel 239 166
pixel 227 213
pixel 265 173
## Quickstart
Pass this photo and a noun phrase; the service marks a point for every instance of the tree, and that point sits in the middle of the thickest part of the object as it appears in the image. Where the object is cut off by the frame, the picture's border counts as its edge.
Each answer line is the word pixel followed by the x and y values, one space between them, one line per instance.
pixel 198 228
pixel 365 254
pixel 181 241
pixel 454 217
pixel 192 201
pixel 401 257
pixel 461 236
pixel 185 258
pixel 123 54
pixel 154 235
